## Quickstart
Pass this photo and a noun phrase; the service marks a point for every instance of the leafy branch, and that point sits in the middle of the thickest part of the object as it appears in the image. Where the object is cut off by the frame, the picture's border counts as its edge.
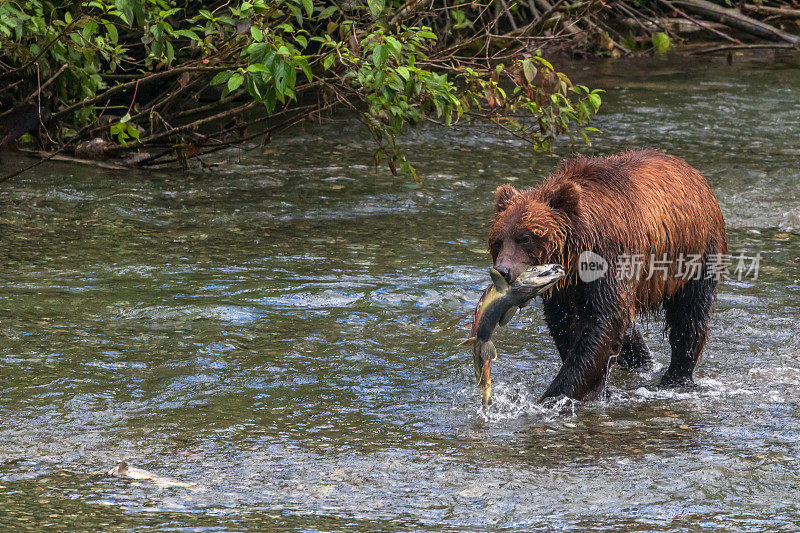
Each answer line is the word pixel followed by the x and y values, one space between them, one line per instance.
pixel 160 83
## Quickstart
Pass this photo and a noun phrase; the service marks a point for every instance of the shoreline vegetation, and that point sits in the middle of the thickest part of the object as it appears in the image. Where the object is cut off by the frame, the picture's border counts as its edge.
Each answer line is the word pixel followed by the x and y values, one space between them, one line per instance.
pixel 150 83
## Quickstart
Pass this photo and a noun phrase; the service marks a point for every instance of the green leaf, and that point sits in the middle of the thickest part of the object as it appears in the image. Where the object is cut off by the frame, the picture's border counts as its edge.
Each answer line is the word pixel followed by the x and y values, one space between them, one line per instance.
pixel 258 52
pixel 328 61
pixel 545 63
pixel 270 100
pixel 280 77
pixel 298 15
pixel 256 33
pixel 132 11
pixel 112 32
pixel 268 59
pixel 595 101
pixel 376 7
pixel 89 29
pixel 529 70
pixel 629 43
pixel 222 77
pixel 394 43
pixel 302 64
pixel 661 42
pixel 189 34
pixel 256 67
pixel 327 12
pixel 379 55
pixel 253 88
pixel 309 5
pixel 235 81
pixel 291 78
pixel 408 170
pixel 124 6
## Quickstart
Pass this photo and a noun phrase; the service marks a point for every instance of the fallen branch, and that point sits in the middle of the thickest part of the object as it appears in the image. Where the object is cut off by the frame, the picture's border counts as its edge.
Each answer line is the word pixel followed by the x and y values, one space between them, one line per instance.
pixel 735 19
pixel 125 86
pixel 535 26
pixel 406 10
pixel 768 10
pixel 191 126
pixel 52 156
pixel 727 48
pixel 36 92
pixel 701 24
pixel 47 158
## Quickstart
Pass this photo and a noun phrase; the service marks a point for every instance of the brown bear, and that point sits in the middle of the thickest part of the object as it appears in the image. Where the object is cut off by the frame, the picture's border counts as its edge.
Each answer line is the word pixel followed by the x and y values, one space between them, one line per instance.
pixel 655 222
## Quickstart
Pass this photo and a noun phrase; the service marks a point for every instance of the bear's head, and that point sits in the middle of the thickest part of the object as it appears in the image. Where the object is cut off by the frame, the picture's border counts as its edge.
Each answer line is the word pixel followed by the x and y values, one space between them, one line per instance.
pixel 532 227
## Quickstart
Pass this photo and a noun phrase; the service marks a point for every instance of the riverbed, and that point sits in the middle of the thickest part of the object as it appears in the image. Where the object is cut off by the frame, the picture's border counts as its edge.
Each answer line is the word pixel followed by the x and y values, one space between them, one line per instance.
pixel 281 333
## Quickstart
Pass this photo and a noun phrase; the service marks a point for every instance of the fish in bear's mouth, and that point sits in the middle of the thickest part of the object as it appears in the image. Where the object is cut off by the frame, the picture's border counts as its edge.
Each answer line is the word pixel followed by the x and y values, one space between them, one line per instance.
pixel 496 307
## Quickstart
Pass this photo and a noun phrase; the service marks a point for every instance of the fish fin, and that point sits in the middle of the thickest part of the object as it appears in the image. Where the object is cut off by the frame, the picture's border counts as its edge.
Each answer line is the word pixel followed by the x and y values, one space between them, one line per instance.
pixel 488 351
pixel 469 342
pixel 508 315
pixel 500 283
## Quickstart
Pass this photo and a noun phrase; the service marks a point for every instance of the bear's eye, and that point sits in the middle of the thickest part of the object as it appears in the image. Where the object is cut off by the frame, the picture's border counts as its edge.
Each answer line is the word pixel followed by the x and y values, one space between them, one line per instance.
pixel 525 239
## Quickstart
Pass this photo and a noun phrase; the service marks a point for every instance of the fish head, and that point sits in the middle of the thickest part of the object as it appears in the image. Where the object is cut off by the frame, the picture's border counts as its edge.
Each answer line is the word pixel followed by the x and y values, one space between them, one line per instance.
pixel 535 280
pixel 543 276
pixel 121 470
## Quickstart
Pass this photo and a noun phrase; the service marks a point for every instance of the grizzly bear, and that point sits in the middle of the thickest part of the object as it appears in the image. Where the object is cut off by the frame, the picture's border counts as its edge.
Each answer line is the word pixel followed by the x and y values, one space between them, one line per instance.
pixel 655 222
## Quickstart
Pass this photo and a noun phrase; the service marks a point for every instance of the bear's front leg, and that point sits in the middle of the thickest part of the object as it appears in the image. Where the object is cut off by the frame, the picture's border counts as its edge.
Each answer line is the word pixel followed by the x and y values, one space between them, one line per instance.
pixel 583 373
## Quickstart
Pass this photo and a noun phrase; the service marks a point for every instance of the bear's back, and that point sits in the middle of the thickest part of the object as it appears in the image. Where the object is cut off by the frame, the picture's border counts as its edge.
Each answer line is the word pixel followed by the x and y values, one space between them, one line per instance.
pixel 648 201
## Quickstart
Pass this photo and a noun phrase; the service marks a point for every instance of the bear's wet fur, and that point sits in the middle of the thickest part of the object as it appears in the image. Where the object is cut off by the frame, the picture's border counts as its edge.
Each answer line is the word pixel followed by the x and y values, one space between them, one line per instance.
pixel 638 204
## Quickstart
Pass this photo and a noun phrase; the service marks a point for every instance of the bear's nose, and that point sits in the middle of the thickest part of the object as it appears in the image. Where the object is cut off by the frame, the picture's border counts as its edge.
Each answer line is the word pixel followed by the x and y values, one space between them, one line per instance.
pixel 505 272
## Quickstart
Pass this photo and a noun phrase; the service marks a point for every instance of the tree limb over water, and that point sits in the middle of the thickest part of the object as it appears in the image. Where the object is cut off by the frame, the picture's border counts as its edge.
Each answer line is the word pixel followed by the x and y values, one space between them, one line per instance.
pixel 154 83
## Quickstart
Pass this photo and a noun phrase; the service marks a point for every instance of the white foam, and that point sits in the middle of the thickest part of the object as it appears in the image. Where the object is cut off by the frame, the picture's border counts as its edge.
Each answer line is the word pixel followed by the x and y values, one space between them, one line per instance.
pixel 513 403
pixel 706 388
pixel 516 401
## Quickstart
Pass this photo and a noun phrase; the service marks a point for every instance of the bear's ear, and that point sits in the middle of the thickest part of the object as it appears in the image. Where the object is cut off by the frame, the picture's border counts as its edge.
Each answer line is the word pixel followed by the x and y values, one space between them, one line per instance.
pixel 503 196
pixel 567 199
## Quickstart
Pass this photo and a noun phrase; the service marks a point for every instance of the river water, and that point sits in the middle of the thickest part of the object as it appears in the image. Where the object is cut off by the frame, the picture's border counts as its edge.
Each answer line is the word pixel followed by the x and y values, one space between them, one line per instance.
pixel 282 334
